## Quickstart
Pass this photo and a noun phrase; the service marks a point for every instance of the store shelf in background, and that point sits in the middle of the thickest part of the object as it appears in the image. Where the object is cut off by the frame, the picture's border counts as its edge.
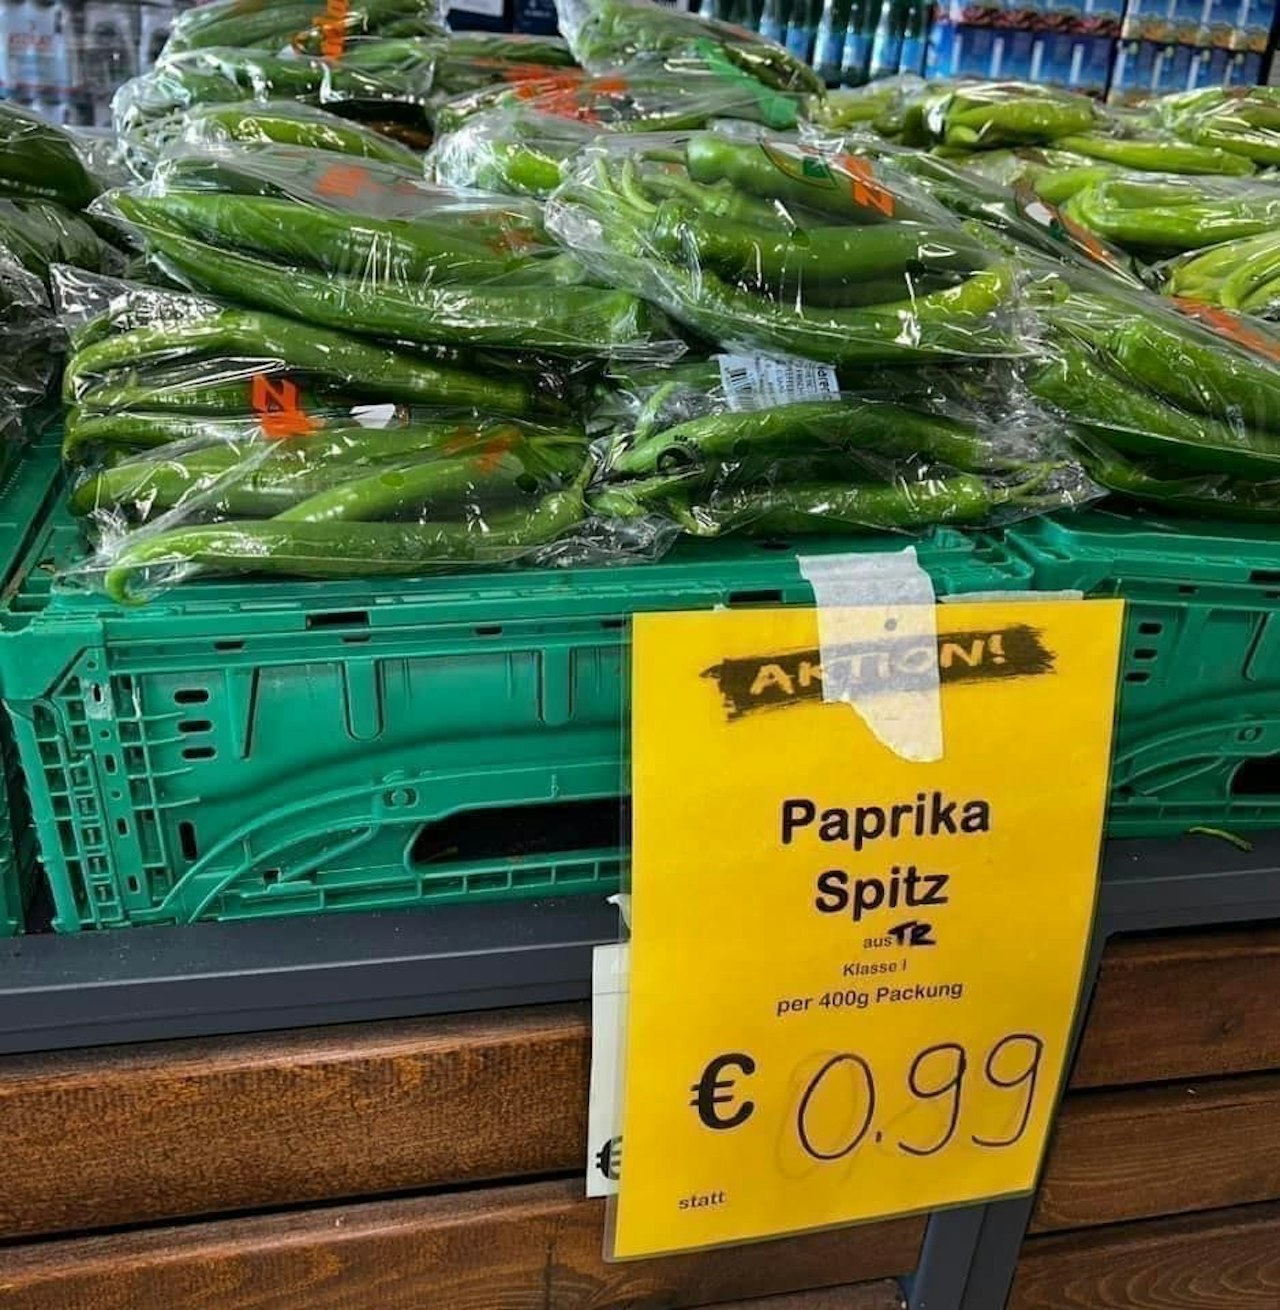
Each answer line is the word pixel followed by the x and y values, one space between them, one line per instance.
pixel 87 1138
pixel 443 740
pixel 540 1243
pixel 1198 722
pixel 29 478
pixel 65 58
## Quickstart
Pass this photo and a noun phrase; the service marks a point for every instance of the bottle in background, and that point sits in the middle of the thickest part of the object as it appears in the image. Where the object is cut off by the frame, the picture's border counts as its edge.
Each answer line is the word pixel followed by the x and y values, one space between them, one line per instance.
pixel 153 31
pixel 108 55
pixel 828 49
pixel 886 44
pixel 773 20
pixel 58 67
pixel 855 63
pixel 915 36
pixel 941 52
pixel 802 29
pixel 1253 30
pixel 7 77
pixel 22 52
pixel 41 58
pixel 1188 17
pixel 1244 68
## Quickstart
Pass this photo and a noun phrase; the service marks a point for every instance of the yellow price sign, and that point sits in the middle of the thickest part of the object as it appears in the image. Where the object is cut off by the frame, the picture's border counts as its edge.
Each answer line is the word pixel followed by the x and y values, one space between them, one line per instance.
pixel 853 975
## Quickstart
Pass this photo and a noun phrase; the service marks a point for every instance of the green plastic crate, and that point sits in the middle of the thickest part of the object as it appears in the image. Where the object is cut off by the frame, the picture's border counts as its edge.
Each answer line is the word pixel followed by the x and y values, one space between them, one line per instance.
pixel 28 479
pixel 1198 724
pixel 245 749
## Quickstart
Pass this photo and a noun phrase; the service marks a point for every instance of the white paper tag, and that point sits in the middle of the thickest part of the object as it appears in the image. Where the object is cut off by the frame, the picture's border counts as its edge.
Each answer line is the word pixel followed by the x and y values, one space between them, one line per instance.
pixel 487 8
pixel 375 416
pixel 609 967
pixel 761 382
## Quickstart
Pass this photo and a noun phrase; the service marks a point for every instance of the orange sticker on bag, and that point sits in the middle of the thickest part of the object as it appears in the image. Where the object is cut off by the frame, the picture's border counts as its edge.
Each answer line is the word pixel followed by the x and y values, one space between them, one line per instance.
pixel 1230 325
pixel 491 451
pixel 529 72
pixel 278 404
pixel 333 28
pixel 866 190
pixel 345 180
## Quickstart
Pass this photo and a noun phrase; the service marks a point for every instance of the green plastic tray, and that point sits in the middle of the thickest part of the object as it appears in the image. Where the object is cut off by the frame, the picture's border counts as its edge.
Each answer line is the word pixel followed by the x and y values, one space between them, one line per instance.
pixel 28 479
pixel 1198 723
pixel 245 749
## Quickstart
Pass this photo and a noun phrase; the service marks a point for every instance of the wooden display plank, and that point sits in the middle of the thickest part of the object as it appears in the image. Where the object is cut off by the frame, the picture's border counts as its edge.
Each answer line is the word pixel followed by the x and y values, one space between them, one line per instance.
pixel 1165 1150
pixel 1225 1260
pixel 1183 1005
pixel 510 1248
pixel 97 1138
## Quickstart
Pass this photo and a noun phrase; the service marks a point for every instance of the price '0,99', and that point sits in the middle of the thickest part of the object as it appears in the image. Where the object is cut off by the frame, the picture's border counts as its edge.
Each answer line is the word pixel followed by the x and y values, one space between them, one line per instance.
pixel 941 1071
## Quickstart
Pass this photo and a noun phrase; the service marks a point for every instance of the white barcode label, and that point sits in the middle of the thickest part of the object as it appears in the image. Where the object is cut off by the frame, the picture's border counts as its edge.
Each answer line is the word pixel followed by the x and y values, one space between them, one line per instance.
pixel 760 382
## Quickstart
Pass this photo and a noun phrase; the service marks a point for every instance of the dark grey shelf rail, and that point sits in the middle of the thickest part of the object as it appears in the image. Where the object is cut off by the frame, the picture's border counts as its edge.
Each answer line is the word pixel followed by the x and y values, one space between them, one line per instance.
pixel 137 984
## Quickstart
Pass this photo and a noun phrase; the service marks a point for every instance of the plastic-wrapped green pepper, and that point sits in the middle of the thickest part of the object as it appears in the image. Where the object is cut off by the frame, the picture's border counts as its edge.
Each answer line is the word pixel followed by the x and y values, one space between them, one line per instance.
pixel 1140 425
pixel 329 549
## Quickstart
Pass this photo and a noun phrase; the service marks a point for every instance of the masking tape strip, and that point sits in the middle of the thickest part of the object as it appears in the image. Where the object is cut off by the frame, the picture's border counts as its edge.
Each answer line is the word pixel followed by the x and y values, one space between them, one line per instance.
pixel 878 645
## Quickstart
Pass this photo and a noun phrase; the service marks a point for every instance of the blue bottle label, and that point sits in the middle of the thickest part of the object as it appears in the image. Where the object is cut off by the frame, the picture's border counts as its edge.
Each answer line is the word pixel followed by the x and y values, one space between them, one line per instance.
pixel 885 55
pixel 857 51
pixel 826 56
pixel 912 60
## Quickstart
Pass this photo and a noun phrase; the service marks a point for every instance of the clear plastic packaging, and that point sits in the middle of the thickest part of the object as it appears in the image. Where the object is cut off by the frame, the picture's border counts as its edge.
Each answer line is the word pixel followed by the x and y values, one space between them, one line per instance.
pixel 778 447
pixel 290 123
pixel 514 150
pixel 347 501
pixel 472 60
pixel 610 34
pixel 316 28
pixel 150 366
pixel 999 190
pixel 768 245
pixel 671 95
pixel 1156 216
pixel 384 83
pixel 39 161
pixel 1242 120
pixel 38 233
pixel 879 107
pixel 989 115
pixel 1242 276
pixel 30 342
pixel 205 436
pixel 1171 402
pixel 366 248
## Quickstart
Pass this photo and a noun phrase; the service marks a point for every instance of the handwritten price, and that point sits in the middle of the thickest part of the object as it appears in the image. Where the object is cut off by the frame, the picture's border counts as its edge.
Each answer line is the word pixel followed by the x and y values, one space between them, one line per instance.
pixel 942 1073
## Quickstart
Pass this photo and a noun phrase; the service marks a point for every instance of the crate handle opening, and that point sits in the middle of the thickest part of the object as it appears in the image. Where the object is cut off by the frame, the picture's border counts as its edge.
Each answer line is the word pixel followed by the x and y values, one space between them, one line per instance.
pixel 522 830
pixel 1257 777
pixel 339 619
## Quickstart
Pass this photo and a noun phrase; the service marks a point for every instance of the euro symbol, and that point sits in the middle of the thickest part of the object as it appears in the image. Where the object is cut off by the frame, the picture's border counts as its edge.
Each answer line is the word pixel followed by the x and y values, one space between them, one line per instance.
pixel 609 1158
pixel 711 1090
